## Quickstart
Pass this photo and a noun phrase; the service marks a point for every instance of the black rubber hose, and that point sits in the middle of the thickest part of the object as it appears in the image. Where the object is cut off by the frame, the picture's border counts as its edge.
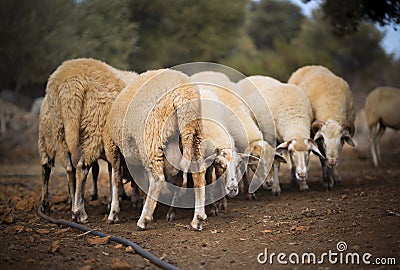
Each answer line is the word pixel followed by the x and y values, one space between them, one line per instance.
pixel 144 253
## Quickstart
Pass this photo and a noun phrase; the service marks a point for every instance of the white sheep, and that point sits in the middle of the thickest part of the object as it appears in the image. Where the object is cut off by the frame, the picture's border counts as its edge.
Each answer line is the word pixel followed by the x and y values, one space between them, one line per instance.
pixel 249 140
pixel 80 93
pixel 333 114
pixel 158 106
pixel 381 108
pixel 291 112
pixel 218 146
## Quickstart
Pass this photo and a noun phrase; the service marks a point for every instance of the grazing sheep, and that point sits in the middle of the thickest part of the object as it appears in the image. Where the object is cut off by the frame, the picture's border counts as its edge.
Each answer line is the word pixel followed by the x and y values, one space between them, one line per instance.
pixel 249 140
pixel 80 93
pixel 381 108
pixel 48 150
pixel 333 115
pixel 218 146
pixel 147 114
pixel 291 112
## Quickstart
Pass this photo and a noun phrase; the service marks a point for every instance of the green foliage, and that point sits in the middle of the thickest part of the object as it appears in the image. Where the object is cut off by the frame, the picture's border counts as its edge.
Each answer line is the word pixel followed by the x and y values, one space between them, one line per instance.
pixel 273 19
pixel 104 31
pixel 268 37
pixel 347 15
pixel 175 31
pixel 32 39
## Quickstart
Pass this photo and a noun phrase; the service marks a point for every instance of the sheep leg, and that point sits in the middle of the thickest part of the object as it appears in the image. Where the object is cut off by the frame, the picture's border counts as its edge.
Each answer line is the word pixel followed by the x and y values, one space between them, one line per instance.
pixel 71 176
pixel 156 183
pixel 171 215
pixel 248 177
pixel 199 182
pixel 378 142
pixel 210 194
pixel 373 141
pixel 276 188
pixel 45 204
pixel 115 181
pixel 79 206
pixel 95 176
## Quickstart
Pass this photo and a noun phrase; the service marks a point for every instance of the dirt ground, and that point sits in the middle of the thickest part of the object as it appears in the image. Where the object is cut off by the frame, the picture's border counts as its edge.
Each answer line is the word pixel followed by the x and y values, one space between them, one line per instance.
pixel 363 212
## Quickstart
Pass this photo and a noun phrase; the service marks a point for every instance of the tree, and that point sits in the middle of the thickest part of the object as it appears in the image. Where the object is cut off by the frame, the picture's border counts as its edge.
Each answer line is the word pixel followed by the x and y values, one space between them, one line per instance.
pixel 356 54
pixel 103 31
pixel 175 31
pixel 33 39
pixel 271 19
pixel 346 15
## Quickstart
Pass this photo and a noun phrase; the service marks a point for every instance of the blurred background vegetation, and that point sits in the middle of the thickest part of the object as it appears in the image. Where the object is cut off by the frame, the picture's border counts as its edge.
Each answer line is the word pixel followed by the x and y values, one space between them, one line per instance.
pixel 269 37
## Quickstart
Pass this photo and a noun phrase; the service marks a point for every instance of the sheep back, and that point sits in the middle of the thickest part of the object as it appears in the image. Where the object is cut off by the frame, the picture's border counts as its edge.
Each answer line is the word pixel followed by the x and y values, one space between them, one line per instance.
pixel 80 94
pixel 150 111
pixel 381 105
pixel 330 96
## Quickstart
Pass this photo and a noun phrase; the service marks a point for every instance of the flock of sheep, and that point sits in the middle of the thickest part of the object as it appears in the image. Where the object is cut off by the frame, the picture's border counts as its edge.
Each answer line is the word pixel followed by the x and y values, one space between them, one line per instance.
pixel 205 130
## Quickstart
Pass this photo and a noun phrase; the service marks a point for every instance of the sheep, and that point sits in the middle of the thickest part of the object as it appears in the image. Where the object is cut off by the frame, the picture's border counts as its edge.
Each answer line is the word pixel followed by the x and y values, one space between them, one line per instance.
pixel 249 140
pixel 149 112
pixel 291 112
pixel 217 146
pixel 80 93
pixel 380 107
pixel 333 115
pixel 48 151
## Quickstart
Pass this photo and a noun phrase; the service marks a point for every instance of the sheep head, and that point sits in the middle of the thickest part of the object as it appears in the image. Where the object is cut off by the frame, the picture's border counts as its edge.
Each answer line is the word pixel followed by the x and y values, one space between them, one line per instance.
pixel 331 136
pixel 299 151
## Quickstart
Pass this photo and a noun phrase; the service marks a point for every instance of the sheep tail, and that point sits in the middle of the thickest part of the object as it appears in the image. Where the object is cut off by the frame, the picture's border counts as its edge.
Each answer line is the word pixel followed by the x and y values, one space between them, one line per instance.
pixel 71 96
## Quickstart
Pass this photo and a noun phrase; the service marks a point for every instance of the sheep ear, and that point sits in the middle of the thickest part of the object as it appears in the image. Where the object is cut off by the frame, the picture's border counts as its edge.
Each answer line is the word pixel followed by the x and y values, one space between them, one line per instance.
pixel 315 149
pixel 318 136
pixel 278 157
pixel 282 147
pixel 350 129
pixel 317 125
pixel 348 139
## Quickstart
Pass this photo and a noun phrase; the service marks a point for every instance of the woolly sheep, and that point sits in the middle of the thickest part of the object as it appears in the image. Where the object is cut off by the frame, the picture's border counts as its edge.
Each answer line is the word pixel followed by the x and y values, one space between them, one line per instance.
pixel 48 151
pixel 333 114
pixel 80 93
pixel 291 112
pixel 218 146
pixel 149 112
pixel 249 140
pixel 380 108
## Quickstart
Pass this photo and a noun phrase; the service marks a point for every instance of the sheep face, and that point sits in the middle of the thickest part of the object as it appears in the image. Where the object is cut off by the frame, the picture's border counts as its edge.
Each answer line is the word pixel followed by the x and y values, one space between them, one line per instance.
pixel 299 151
pixel 330 137
pixel 227 168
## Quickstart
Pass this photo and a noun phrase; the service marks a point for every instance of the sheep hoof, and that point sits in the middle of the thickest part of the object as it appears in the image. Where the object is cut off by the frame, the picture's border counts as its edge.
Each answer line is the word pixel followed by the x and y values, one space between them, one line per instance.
pixel 214 211
pixel 94 197
pixel 197 222
pixel 80 216
pixel 276 190
pixel 45 207
pixel 142 223
pixel 251 196
pixel 223 204
pixel 171 216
